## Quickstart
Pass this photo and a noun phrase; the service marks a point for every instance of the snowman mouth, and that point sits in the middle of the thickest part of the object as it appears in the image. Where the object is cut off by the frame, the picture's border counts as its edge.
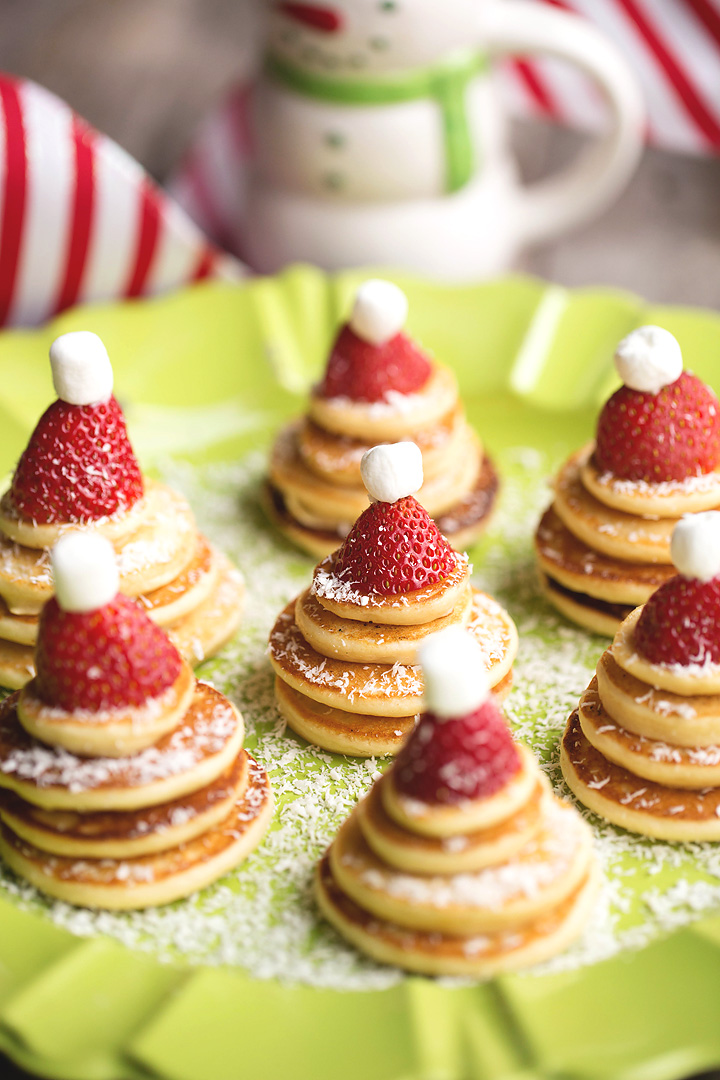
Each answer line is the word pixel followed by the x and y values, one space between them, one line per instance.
pixel 316 16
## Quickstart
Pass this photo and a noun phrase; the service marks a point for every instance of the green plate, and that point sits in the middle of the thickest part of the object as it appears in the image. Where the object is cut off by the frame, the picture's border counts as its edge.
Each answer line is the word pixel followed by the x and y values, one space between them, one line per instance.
pixel 206 376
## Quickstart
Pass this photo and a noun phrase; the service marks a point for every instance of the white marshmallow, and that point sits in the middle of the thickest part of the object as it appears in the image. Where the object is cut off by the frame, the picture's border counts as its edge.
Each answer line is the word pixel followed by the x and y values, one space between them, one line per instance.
pixel 81 370
pixel 648 359
pixel 379 312
pixel 84 571
pixel 392 471
pixel 695 545
pixel 454 673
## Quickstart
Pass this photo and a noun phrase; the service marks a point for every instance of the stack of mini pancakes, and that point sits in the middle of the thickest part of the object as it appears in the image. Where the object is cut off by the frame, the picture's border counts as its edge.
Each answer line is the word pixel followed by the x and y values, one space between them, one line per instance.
pixel 345 660
pixel 643 747
pixel 131 806
pixel 471 887
pixel 185 585
pixel 315 492
pixel 603 547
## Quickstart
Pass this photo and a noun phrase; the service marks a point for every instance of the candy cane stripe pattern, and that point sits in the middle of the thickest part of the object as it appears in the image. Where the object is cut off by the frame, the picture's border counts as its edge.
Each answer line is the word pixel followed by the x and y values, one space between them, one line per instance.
pixel 80 220
pixel 674 46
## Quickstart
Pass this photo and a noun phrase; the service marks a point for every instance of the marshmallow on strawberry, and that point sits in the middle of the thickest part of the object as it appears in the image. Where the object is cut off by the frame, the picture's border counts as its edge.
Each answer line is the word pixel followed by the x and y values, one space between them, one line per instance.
pixel 379 387
pixel 372 357
pixel 97 650
pixel 461 748
pixel 664 423
pixel 604 544
pixel 78 466
pixel 460 837
pixel 394 546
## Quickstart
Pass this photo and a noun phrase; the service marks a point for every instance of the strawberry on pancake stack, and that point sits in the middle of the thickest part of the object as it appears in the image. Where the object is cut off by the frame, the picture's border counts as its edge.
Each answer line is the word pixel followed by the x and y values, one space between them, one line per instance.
pixel 79 472
pixel 123 782
pixel 603 547
pixel 643 747
pixel 344 652
pixel 379 386
pixel 460 860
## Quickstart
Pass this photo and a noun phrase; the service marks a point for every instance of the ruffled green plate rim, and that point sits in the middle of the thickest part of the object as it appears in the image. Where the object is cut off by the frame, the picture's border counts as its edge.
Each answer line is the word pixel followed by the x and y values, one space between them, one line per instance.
pixel 208 374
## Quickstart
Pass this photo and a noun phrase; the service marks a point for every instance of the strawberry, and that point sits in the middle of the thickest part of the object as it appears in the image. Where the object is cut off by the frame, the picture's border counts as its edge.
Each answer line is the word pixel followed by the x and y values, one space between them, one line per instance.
pixel 680 623
pixel 78 466
pixel 362 371
pixel 394 548
pixel 670 435
pixel 109 658
pixel 448 761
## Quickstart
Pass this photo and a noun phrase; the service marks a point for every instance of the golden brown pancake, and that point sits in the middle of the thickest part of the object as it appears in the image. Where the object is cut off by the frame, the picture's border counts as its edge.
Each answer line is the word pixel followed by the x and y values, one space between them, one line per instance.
pixel 481 956
pixel 124 834
pixel 147 880
pixel 193 755
pixel 692 680
pixel 657 714
pixel 112 732
pixel 666 499
pixel 662 762
pixel 597 616
pixel 543 874
pixel 209 626
pixel 460 853
pixel 634 803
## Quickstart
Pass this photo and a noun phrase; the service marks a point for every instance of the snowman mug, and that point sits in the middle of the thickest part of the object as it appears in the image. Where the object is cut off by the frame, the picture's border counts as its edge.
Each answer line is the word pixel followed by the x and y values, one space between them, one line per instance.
pixel 378 138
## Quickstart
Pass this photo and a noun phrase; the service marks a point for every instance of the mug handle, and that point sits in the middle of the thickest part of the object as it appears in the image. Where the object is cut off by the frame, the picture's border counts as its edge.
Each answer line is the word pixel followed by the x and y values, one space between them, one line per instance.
pixel 592 181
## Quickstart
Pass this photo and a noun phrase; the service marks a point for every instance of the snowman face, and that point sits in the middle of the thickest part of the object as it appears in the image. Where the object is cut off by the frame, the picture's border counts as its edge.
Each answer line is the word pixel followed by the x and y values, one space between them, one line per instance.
pixel 351 36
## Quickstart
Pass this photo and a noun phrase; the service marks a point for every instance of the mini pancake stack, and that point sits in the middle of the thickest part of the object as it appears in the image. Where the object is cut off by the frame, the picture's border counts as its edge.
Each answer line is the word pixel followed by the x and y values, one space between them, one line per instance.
pixel 344 651
pixel 79 471
pixel 603 547
pixel 643 748
pixel 123 782
pixel 460 861
pixel 378 387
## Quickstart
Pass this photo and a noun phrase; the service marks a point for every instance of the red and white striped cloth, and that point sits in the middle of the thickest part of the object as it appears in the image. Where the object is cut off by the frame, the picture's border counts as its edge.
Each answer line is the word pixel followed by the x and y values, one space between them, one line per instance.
pixel 80 219
pixel 673 46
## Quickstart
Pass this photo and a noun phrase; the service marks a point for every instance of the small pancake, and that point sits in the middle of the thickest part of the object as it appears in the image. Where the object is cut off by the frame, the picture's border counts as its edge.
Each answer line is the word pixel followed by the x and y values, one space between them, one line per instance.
pixel 439 821
pixel 461 524
pixel 188 758
pixel 579 568
pixel 597 616
pixel 657 714
pixel 692 680
pixel 480 956
pixel 34 535
pixel 549 869
pixel 336 458
pixel 667 499
pixel 341 732
pixel 663 763
pixel 118 834
pixel 362 642
pixel 461 853
pixel 388 421
pixel 632 802
pixel 207 628
pixel 320 504
pixel 388 690
pixel 156 552
pixel 164 606
pixel 148 880
pixel 112 732
pixel 393 609
pixel 17 664
pixel 612 532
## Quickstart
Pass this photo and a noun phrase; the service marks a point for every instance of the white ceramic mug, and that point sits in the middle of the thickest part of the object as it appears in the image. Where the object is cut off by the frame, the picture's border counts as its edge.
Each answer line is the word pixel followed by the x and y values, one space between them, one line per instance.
pixel 379 139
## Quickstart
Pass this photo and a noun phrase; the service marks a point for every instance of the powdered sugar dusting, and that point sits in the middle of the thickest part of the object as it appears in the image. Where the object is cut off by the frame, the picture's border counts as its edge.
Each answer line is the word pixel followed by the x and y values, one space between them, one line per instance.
pixel 262 916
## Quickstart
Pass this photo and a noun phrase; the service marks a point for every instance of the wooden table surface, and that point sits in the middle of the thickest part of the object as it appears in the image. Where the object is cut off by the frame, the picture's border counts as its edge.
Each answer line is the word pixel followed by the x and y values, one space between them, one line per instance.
pixel 145 71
